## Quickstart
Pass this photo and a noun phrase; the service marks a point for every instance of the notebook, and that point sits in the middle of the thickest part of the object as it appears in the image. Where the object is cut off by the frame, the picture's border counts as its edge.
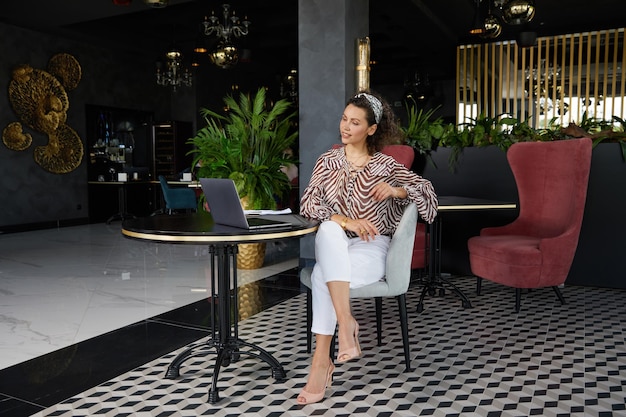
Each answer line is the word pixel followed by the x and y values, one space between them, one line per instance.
pixel 225 205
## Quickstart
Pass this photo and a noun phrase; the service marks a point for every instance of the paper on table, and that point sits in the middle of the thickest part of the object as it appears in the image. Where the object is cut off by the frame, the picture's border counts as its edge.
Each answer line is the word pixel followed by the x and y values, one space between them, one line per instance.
pixel 264 212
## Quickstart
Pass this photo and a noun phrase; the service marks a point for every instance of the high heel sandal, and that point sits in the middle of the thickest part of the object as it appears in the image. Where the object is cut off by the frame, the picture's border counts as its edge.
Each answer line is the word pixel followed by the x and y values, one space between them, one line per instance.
pixel 309 397
pixel 354 352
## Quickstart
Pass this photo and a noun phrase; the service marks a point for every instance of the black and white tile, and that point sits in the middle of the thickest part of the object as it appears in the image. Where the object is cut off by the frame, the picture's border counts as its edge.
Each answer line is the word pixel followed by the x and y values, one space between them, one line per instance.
pixel 547 360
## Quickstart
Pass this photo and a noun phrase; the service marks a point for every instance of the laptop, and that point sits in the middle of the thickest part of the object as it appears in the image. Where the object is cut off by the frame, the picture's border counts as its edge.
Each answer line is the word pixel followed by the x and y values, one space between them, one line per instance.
pixel 225 205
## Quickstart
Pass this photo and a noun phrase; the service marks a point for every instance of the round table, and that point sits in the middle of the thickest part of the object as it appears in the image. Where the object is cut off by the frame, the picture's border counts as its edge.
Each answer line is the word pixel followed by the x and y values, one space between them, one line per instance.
pixel 199 228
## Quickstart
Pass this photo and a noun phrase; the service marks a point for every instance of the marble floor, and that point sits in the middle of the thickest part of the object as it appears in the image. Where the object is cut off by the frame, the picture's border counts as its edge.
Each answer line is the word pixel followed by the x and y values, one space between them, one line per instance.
pixel 90 319
pixel 76 287
pixel 63 286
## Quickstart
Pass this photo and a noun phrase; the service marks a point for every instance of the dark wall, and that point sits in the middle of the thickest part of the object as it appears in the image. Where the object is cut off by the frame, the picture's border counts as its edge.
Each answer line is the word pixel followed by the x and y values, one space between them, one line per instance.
pixel 600 252
pixel 480 173
pixel 111 77
pixel 30 194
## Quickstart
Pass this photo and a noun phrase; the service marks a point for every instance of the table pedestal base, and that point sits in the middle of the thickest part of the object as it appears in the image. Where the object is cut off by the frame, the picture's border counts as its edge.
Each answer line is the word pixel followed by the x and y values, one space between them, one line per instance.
pixel 122 213
pixel 224 340
pixel 440 284
pixel 226 355
pixel 435 282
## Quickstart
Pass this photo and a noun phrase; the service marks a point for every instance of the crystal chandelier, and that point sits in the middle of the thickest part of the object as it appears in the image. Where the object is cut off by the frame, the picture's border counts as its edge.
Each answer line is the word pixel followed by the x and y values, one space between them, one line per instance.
pixel 225 54
pixel 545 75
pixel 173 74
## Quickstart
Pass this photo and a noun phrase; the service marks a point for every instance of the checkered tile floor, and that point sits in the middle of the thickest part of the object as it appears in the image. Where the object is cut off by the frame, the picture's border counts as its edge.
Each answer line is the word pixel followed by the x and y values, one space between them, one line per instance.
pixel 548 360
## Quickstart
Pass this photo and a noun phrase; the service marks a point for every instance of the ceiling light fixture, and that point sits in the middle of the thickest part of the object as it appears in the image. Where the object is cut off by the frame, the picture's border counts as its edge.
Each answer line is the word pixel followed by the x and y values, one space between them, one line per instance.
pixel 157 4
pixel 512 12
pixel 174 74
pixel 518 12
pixel 225 54
pixel 492 26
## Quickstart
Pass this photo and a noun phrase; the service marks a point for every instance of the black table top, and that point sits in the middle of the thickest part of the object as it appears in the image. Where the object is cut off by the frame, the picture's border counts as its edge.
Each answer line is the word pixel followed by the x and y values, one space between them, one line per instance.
pixel 195 228
pixel 453 203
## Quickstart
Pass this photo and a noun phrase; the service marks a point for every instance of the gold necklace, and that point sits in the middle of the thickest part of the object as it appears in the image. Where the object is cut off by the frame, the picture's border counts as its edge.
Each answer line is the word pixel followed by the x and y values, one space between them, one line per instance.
pixel 354 168
pixel 354 161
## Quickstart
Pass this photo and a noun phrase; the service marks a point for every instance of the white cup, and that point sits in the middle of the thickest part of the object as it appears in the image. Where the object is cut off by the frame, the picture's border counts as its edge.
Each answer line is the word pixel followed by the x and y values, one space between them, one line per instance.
pixel 122 176
pixel 186 176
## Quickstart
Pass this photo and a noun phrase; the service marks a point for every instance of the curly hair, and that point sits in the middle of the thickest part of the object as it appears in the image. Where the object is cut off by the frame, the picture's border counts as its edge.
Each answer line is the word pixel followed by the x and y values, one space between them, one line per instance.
pixel 387 131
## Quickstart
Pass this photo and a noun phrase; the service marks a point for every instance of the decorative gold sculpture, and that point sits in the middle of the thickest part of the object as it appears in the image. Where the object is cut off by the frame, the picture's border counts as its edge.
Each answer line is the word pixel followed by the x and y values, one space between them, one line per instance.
pixel 14 138
pixel 40 101
pixel 66 69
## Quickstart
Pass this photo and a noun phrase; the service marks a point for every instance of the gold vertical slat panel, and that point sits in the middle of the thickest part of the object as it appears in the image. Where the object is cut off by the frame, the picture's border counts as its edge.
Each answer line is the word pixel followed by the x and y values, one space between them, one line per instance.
pixel 522 96
pixel 558 79
pixel 595 87
pixel 622 90
pixel 496 87
pixel 560 105
pixel 500 96
pixel 602 94
pixel 588 72
pixel 479 68
pixel 504 78
pixel 516 92
pixel 579 74
pixel 534 103
pixel 473 87
pixel 570 90
pixel 460 82
pixel 614 69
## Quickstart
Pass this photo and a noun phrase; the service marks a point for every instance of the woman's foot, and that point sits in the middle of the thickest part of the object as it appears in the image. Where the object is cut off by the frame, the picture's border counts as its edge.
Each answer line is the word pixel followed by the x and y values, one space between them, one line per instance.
pixel 320 379
pixel 349 347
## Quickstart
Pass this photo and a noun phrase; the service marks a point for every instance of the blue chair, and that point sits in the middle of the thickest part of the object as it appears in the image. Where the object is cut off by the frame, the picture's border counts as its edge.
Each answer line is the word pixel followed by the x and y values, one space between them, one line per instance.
pixel 177 198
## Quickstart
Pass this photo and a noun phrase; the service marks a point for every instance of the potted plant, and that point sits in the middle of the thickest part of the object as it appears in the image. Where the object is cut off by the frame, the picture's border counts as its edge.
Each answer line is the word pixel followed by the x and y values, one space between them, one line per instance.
pixel 248 145
pixel 422 132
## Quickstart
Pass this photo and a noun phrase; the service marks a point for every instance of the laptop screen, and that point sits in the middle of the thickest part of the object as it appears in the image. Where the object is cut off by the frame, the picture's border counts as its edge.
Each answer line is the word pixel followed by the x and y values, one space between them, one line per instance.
pixel 225 205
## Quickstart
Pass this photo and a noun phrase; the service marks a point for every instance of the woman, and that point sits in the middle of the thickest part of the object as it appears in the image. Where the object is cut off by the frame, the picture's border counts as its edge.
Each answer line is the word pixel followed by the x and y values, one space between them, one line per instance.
pixel 358 195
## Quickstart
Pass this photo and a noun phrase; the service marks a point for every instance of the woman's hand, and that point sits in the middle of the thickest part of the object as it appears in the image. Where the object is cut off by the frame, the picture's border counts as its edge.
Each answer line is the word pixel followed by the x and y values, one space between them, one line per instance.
pixel 362 227
pixel 384 190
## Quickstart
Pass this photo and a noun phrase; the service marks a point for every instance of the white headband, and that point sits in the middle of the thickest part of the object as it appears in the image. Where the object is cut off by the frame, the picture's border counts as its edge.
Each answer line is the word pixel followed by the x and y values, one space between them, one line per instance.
pixel 375 104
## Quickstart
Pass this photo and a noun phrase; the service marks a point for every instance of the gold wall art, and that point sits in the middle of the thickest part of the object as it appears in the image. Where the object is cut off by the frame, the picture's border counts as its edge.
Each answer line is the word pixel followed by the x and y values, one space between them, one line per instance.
pixel 39 99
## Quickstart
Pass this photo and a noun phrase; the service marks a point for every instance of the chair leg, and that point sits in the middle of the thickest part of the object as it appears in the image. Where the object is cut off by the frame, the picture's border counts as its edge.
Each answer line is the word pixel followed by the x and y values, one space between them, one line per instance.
pixel 379 321
pixel 479 284
pixel 309 319
pixel 518 299
pixel 559 294
pixel 405 330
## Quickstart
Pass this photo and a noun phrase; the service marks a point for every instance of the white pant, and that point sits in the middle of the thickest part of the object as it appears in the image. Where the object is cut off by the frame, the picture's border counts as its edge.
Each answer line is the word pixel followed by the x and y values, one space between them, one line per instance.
pixel 340 258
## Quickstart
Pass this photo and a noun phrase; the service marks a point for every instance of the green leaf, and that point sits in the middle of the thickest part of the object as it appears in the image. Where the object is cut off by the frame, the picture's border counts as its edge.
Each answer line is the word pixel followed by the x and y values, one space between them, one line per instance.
pixel 248 145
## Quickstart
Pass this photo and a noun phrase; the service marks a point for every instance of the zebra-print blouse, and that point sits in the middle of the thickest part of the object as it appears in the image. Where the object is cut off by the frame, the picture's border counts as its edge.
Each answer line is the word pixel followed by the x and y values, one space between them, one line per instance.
pixel 333 189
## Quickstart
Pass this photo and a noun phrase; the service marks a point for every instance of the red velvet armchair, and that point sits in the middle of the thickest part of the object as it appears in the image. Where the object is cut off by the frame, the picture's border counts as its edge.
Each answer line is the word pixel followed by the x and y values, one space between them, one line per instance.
pixel 536 250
